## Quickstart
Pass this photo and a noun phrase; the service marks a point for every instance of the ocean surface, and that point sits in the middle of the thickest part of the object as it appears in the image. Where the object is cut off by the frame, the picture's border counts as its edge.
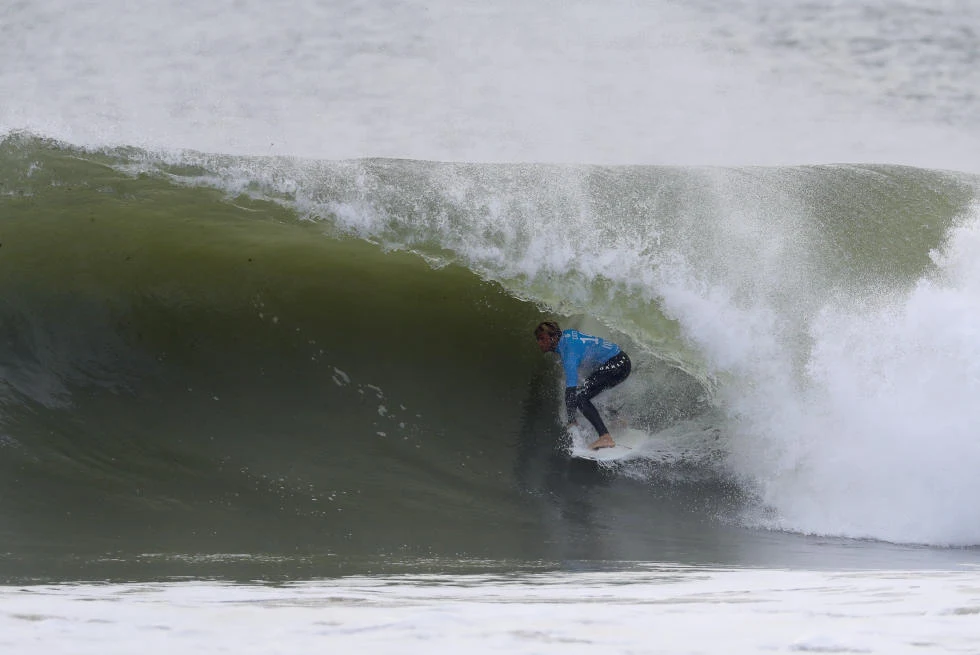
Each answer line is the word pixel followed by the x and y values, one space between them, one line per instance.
pixel 269 274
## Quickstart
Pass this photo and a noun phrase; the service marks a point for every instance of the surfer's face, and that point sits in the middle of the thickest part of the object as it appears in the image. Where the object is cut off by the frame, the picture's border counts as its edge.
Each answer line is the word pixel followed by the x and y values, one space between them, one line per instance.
pixel 547 342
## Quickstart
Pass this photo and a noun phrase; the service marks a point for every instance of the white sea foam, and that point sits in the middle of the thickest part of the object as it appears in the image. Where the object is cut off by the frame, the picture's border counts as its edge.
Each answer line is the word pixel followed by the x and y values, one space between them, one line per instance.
pixel 663 609
pixel 878 436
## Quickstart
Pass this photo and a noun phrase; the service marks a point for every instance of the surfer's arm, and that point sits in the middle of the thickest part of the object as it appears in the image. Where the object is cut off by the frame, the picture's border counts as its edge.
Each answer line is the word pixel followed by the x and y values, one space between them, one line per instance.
pixel 571 352
pixel 570 361
pixel 571 402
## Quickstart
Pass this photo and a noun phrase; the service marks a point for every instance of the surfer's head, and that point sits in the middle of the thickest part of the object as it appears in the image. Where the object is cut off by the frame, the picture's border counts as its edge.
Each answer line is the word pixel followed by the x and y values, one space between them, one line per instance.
pixel 548 334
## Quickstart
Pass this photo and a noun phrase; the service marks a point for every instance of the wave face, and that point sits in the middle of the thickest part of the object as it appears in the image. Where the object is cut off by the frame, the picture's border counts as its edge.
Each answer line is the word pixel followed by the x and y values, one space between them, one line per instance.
pixel 209 352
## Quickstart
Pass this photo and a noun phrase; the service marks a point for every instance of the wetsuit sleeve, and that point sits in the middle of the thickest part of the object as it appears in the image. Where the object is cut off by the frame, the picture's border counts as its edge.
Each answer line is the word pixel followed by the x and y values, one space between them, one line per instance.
pixel 572 351
pixel 570 360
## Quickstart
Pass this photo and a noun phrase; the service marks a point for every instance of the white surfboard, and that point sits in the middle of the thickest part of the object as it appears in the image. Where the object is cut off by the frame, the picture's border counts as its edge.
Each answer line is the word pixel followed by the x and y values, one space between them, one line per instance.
pixel 629 443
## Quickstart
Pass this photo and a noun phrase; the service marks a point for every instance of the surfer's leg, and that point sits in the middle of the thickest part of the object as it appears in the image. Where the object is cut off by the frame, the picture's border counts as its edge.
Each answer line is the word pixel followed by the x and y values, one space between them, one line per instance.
pixel 605 439
pixel 605 377
pixel 592 415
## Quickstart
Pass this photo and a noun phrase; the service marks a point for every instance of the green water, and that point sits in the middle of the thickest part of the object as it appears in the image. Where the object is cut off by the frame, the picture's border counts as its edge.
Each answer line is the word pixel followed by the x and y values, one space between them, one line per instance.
pixel 187 371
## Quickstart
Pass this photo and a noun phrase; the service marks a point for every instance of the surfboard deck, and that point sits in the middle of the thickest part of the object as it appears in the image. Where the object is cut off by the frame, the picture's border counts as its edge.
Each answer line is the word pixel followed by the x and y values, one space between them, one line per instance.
pixel 629 443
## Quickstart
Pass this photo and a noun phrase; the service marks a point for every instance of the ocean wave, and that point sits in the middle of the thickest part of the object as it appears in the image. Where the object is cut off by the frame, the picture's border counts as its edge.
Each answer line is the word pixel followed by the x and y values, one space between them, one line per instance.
pixel 229 341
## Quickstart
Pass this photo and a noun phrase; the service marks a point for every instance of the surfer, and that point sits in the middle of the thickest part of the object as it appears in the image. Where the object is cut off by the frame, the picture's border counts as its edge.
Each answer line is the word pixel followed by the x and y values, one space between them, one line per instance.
pixel 607 363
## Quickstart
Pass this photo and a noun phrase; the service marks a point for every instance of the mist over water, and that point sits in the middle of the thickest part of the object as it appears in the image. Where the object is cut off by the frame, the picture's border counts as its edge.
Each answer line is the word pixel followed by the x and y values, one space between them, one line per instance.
pixel 872 432
pixel 617 83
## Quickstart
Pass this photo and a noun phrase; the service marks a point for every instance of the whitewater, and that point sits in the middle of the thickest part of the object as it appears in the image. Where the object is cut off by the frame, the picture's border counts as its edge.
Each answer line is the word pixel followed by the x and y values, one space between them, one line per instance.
pixel 214 219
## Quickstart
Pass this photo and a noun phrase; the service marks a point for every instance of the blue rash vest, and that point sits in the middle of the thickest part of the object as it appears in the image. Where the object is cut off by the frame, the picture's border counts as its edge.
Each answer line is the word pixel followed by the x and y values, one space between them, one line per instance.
pixel 579 350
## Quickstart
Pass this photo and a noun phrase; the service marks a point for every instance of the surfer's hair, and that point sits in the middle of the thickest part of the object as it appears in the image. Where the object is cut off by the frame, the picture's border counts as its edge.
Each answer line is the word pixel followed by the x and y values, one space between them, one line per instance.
pixel 547 326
